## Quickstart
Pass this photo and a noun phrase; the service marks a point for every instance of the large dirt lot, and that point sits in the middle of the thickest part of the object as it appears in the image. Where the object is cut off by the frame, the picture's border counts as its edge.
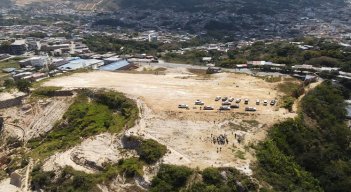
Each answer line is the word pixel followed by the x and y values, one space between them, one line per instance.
pixel 191 135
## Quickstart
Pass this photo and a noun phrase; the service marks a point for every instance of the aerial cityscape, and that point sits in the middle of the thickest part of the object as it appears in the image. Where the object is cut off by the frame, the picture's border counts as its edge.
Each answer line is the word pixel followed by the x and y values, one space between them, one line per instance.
pixel 175 95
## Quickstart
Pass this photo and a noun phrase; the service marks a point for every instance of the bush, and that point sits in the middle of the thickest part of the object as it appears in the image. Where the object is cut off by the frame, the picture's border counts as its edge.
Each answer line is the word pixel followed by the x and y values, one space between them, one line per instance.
pixel 324 61
pixel 212 176
pixel 170 178
pixel 23 85
pixel 9 83
pixel 287 102
pixel 131 167
pixel 151 151
pixel 232 181
pixel 46 91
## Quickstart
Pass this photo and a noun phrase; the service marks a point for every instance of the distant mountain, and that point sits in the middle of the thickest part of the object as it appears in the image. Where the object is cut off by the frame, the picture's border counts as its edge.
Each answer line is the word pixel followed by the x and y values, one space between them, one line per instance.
pixel 5 3
pixel 226 5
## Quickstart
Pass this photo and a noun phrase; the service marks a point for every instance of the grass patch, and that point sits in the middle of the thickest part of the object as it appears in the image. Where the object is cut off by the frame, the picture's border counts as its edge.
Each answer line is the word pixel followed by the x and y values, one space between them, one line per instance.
pixel 105 112
pixel 287 102
pixel 240 154
pixel 290 88
pixel 271 79
pixel 45 91
pixel 11 63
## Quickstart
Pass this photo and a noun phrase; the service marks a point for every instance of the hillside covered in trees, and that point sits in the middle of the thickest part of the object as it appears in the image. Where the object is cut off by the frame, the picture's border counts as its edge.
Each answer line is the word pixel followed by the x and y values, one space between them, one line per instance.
pixel 312 152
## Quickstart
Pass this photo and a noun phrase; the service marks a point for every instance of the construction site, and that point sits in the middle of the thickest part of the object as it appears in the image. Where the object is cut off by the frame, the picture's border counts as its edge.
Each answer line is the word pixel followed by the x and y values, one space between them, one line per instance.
pixel 188 133
pixel 194 137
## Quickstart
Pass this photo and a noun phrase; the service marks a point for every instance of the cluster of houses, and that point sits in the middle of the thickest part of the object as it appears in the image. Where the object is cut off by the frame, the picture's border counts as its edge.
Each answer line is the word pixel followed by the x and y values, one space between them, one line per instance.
pixel 56 46
pixel 39 67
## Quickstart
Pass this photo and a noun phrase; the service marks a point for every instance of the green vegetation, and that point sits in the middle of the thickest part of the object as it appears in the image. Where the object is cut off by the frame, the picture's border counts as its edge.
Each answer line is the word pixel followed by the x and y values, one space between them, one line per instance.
pixel 287 102
pixel 131 167
pixel 149 150
pixel 23 85
pixel 223 180
pixel 324 54
pixel 292 91
pixel 71 180
pixel 240 154
pixel 189 57
pixel 312 152
pixel 10 63
pixel 103 44
pixel 45 91
pixel 281 172
pixel 170 178
pixel 86 118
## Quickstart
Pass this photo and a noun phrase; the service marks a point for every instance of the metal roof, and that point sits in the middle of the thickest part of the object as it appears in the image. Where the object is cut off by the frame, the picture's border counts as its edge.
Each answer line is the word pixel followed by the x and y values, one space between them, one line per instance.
pixel 79 63
pixel 115 66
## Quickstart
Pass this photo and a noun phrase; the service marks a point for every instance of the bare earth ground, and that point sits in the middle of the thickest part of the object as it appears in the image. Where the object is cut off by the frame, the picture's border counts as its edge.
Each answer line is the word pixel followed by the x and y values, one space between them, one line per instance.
pixel 188 133
pixel 33 119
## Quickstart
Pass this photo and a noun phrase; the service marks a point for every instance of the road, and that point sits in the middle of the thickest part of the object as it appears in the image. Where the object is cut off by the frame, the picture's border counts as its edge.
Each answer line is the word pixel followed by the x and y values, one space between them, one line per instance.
pixel 164 64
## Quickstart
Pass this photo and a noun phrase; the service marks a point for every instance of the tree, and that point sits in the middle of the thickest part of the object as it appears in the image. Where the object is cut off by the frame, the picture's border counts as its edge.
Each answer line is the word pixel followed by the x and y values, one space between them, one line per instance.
pixel 212 176
pixel 151 151
pixel 9 83
pixel 170 178
pixel 23 85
